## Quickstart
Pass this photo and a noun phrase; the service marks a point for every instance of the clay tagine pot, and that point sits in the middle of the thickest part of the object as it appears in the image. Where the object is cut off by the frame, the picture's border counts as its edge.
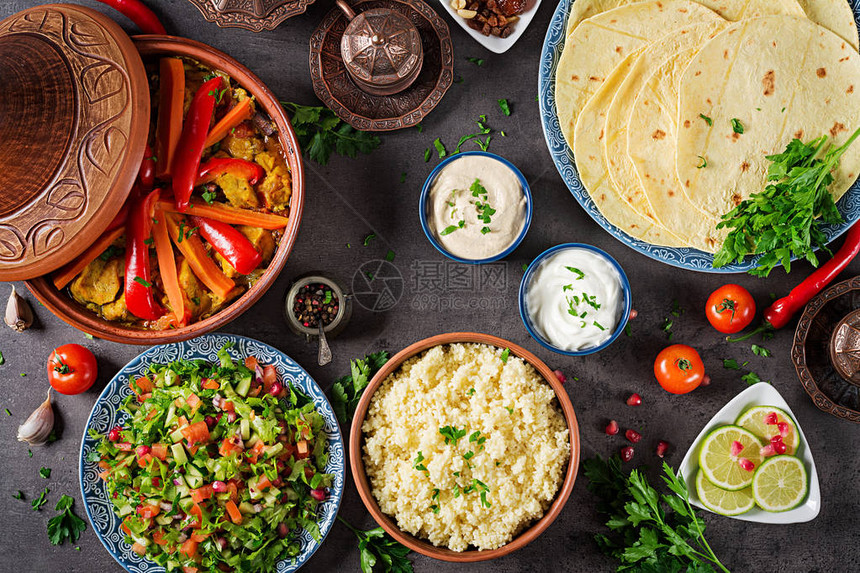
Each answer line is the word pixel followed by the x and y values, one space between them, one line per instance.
pixel 381 50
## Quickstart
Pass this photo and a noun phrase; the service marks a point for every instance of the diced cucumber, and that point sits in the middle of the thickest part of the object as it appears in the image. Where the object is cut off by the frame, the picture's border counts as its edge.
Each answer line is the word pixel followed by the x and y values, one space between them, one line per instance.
pixel 246 507
pixel 193 470
pixel 170 377
pixel 125 510
pixel 179 453
pixel 274 450
pixel 253 439
pixel 244 386
pixel 182 489
pixel 227 389
pixel 171 417
pixel 176 435
pixel 162 520
pixel 194 481
pixel 245 428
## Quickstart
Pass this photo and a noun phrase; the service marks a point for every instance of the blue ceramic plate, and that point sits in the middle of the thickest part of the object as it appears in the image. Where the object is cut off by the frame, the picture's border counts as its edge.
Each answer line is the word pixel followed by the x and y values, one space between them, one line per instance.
pixel 104 416
pixel 562 156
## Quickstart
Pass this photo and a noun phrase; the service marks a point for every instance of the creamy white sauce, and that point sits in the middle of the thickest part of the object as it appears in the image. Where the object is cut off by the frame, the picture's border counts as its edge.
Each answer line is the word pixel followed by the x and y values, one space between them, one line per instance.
pixel 456 207
pixel 574 299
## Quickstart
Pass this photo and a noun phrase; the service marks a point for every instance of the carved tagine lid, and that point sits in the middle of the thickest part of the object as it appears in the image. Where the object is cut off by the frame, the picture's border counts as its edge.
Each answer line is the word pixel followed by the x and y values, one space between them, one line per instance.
pixel 74 113
pixel 381 50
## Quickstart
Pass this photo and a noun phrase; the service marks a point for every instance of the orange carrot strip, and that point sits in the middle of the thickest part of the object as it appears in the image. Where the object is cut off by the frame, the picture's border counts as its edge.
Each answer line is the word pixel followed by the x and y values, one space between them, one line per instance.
pixel 202 265
pixel 167 268
pixel 230 215
pixel 171 102
pixel 66 274
pixel 237 114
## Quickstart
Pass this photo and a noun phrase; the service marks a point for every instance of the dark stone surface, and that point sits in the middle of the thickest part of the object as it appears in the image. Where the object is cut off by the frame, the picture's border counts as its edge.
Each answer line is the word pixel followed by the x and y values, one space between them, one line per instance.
pixel 351 198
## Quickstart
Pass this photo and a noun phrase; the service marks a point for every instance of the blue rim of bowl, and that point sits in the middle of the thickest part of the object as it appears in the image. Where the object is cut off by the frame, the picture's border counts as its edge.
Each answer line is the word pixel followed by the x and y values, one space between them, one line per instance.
pixel 625 289
pixel 109 389
pixel 425 193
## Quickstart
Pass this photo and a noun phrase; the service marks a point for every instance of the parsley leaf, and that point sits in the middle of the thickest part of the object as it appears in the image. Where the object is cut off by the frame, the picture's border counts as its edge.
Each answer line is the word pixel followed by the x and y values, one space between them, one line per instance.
pixel 579 274
pixel 440 147
pixel 477 61
pixel 737 126
pixel 346 391
pixel 761 351
pixel 707 119
pixel 751 378
pixel 506 353
pixel 505 107
pixel 37 503
pixel 731 364
pixel 321 132
pixel 45 472
pixel 66 525
pixel 379 552
pixel 209 196
pixel 703 164
pixel 18 495
pixel 369 237
pixel 451 434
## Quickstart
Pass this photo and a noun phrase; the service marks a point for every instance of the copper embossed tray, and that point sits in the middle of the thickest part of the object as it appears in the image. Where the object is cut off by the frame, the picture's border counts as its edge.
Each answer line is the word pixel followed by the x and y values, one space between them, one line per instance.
pixel 367 112
pixel 254 15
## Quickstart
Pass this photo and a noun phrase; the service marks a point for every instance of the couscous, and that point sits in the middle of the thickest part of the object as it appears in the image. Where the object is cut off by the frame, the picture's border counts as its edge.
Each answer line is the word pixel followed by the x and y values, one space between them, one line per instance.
pixel 465 445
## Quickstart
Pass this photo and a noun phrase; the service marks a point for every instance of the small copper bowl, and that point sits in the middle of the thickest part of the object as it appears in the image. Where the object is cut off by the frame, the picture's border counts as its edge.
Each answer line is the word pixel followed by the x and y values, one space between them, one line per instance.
pixel 356 459
pixel 84 319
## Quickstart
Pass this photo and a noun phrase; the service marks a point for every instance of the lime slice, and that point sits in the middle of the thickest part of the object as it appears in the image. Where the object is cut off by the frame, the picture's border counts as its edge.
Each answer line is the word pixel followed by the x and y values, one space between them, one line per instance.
pixel 780 483
pixel 721 467
pixel 723 501
pixel 754 421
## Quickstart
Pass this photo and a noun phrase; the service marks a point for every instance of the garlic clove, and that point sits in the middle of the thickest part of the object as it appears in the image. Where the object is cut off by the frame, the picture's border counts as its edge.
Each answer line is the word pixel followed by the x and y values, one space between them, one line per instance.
pixel 37 428
pixel 19 315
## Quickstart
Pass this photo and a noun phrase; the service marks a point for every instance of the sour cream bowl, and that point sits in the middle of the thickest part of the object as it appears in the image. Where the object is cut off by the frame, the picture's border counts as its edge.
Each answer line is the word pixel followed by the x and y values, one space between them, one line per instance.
pixel 575 299
pixel 470 223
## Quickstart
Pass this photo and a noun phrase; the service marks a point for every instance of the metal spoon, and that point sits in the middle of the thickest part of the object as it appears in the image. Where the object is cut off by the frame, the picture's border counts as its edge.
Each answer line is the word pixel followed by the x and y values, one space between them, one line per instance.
pixel 324 356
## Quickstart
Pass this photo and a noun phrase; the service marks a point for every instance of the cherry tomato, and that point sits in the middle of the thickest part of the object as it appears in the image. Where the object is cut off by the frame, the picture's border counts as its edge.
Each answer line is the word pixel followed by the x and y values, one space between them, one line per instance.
pixel 679 369
pixel 730 309
pixel 72 369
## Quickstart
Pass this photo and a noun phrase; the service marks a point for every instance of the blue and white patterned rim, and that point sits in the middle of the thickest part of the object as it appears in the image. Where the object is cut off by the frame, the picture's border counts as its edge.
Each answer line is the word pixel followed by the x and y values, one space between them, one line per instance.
pixel 562 156
pixel 104 416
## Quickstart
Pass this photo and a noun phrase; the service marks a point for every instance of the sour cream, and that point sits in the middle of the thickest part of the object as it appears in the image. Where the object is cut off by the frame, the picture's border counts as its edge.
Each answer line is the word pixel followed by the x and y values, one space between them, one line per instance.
pixel 575 299
pixel 476 207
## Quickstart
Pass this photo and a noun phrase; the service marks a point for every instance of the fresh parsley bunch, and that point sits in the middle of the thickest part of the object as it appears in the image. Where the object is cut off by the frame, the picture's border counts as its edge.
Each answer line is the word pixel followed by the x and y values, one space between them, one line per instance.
pixel 379 552
pixel 346 391
pixel 66 525
pixel 785 219
pixel 650 532
pixel 320 132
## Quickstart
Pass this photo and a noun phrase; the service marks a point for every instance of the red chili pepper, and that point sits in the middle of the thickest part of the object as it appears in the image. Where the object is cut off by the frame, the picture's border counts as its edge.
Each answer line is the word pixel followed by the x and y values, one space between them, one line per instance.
pixel 218 166
pixel 190 147
pixel 229 243
pixel 779 314
pixel 137 12
pixel 146 175
pixel 138 285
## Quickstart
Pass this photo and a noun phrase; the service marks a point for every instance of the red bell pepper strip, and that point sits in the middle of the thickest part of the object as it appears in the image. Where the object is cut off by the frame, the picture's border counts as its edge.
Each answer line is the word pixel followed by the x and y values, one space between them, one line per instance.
pixel 779 314
pixel 137 12
pixel 138 288
pixel 187 159
pixel 229 243
pixel 146 175
pixel 218 166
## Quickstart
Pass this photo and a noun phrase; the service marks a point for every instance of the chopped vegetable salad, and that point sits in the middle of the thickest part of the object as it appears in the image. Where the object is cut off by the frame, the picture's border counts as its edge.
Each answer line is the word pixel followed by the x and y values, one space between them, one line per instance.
pixel 219 467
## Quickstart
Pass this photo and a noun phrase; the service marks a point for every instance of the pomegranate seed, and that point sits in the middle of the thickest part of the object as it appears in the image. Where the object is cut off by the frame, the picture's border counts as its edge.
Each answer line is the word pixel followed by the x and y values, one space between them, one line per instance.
pixel 780 448
pixel 113 435
pixel 771 419
pixel 318 494
pixel 661 448
pixel 767 451
pixel 737 448
pixel 633 436
pixel 776 440
pixel 142 451
pixel 560 375
pixel 783 429
pixel 706 381
pixel 634 400
pixel 219 486
pixel 275 389
pixel 210 422
pixel 611 428
pixel 283 530
pixel 746 464
pixel 626 453
pixel 156 482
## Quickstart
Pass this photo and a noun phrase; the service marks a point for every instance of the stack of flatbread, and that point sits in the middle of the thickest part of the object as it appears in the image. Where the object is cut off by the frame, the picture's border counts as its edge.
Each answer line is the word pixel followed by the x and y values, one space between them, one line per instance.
pixel 671 106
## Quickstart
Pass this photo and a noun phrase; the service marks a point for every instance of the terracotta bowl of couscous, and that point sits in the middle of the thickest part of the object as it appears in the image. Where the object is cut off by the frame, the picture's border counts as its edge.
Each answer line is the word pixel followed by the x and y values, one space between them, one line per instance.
pixel 464 447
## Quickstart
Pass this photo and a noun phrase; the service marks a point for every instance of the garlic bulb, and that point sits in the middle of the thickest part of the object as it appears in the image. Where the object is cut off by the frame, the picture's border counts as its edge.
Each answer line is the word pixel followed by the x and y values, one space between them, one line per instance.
pixel 19 315
pixel 36 429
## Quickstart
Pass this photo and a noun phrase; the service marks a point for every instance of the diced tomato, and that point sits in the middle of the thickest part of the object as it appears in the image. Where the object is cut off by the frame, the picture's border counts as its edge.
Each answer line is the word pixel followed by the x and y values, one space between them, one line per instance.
pixel 197 433
pixel 193 401
pixel 201 493
pixel 233 512
pixel 229 446
pixel 270 376
pixel 144 461
pixel 182 420
pixel 152 414
pixel 189 569
pixel 104 465
pixel 263 483
pixel 159 451
pixel 288 451
pixel 254 453
pixel 124 446
pixel 229 407
pixel 141 386
pixel 233 489
pixel 139 549
pixel 251 363
pixel 192 448
pixel 198 537
pixel 124 526
pixel 255 392
pixel 104 475
pixel 148 511
pixel 210 384
pixel 309 473
pixel 189 548
pixel 198 516
pixel 302 449
pixel 158 537
pixel 144 397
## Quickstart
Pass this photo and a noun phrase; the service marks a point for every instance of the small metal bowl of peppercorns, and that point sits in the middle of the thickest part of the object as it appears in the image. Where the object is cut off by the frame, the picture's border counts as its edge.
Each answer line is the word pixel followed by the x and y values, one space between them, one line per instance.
pixel 314 299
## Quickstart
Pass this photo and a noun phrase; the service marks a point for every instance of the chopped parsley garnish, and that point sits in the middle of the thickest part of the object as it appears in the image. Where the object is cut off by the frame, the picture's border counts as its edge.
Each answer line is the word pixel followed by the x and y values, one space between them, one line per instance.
pixel 347 391
pixel 505 106
pixel 440 148
pixel 452 435
pixel 707 119
pixel 8 413
pixel 111 252
pixel 427 154
pixel 195 300
pixel 477 61
pixel 470 392
pixel 703 164
pixel 328 297
pixel 510 410
pixel 730 364
pixel 751 378
pixel 45 472
pixel 389 256
pixel 148 242
pixel 451 228
pixel 761 351
pixel 469 455
pixel 484 502
pixel 37 503
pixel 417 463
pixel 677 310
pixel 667 328
pixel 209 196
pixel 505 354
pixel 591 300
pixel 403 177
pixel 368 238
pixel 627 331
pixel 598 325
pixel 19 495
pixel 579 274
pixel 476 437
pixel 737 126
pixel 143 282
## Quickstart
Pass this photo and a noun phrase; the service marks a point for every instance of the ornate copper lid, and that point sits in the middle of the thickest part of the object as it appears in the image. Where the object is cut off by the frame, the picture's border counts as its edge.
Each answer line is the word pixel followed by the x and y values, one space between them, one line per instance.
pixel 845 348
pixel 254 15
pixel 381 49
pixel 75 99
